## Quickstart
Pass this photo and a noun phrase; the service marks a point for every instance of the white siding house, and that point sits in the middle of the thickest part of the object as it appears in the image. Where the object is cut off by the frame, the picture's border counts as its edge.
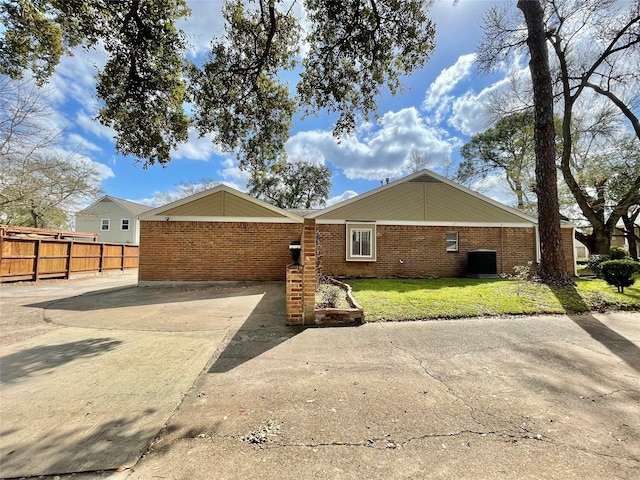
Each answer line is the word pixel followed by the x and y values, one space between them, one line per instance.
pixel 113 219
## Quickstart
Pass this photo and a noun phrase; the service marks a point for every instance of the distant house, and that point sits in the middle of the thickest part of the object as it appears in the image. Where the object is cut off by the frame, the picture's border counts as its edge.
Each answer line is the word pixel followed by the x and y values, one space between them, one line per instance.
pixel 113 219
pixel 420 225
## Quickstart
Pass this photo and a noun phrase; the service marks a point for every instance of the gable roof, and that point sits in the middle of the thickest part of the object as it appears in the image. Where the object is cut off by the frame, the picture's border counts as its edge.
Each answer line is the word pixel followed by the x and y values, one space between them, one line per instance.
pixel 424 197
pixel 132 207
pixel 220 201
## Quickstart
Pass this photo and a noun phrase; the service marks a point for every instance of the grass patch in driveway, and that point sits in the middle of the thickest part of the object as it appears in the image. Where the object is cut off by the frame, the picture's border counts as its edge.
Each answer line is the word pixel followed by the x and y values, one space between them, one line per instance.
pixel 405 299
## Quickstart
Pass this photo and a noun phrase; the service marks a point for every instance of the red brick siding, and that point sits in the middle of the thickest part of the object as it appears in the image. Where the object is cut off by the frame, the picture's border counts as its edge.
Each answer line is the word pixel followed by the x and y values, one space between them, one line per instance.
pixel 215 251
pixel 423 251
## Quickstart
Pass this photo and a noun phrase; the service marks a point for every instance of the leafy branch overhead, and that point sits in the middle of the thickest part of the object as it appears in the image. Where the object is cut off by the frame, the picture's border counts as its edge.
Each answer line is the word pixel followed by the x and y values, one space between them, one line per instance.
pixel 151 95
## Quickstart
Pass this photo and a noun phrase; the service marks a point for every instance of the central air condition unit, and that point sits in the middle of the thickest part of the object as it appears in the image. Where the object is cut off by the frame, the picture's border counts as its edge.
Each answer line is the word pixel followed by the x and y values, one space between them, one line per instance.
pixel 482 264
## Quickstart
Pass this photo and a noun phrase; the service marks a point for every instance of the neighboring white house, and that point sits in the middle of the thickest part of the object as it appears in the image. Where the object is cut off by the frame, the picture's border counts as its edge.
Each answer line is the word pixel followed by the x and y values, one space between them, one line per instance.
pixel 113 219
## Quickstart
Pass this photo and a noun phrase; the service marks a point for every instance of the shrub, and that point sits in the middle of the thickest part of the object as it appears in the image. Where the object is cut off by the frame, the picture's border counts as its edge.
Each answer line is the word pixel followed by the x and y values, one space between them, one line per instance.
pixel 619 273
pixel 594 263
pixel 618 253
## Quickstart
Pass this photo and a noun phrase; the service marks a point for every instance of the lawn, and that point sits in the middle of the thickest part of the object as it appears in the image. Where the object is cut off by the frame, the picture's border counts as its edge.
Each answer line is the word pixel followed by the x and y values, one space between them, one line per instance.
pixel 401 299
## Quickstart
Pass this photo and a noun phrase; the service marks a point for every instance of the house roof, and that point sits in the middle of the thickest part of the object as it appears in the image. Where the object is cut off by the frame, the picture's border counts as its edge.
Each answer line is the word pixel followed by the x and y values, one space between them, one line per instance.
pixel 131 207
pixel 424 197
pixel 220 201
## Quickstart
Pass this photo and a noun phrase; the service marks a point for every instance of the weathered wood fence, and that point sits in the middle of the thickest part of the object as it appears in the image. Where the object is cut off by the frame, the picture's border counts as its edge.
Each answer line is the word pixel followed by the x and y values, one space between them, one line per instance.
pixel 40 258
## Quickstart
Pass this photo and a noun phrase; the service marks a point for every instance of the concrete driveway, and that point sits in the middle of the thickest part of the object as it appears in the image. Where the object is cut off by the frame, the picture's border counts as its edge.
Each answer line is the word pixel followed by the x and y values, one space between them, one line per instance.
pixel 91 370
pixel 528 397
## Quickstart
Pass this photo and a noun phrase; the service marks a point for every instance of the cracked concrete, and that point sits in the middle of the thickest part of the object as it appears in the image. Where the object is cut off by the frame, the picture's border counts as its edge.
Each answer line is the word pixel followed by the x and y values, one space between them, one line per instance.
pixel 528 397
pixel 489 398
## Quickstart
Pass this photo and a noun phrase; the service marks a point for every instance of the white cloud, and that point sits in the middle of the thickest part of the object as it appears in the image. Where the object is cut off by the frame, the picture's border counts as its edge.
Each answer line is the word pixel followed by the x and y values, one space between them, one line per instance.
pixel 381 153
pixel 232 176
pixel 468 113
pixel 447 80
pixel 196 147
pixel 341 198
pixel 76 141
pixel 88 124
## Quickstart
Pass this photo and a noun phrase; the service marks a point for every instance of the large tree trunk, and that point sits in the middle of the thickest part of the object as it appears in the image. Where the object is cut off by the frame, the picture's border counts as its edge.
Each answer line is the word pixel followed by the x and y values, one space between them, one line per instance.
pixel 632 238
pixel 552 268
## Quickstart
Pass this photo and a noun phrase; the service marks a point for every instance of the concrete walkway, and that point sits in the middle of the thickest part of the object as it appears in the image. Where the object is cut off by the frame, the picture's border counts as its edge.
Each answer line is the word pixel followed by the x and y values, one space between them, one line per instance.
pixel 529 397
pixel 92 387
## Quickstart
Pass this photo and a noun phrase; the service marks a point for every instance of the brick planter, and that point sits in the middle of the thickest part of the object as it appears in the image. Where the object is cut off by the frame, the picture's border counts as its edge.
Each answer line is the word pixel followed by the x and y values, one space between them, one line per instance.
pixel 338 316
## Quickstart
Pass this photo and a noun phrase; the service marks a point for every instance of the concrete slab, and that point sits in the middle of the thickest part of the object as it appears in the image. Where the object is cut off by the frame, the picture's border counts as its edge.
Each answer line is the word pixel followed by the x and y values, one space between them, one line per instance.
pixel 92 390
pixel 522 397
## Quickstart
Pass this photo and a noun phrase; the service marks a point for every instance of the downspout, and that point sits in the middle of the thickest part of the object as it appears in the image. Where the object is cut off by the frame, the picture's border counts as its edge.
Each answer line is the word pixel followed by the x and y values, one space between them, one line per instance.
pixel 502 248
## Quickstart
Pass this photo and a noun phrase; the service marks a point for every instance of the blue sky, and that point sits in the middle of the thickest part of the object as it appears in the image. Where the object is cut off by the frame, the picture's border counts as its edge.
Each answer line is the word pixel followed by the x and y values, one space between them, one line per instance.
pixel 438 111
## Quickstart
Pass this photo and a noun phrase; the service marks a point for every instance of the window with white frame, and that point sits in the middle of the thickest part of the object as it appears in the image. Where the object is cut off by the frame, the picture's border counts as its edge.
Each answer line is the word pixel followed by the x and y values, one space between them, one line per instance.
pixel 361 242
pixel 124 224
pixel 105 224
pixel 452 241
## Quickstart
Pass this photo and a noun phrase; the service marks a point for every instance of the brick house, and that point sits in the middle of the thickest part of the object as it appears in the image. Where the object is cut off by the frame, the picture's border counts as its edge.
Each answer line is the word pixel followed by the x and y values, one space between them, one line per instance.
pixel 420 225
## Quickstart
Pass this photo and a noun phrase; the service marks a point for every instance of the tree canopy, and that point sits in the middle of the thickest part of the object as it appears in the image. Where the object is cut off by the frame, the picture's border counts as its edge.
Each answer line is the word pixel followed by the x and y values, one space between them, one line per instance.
pixel 41 183
pixel 596 68
pixel 508 149
pixel 292 185
pixel 151 94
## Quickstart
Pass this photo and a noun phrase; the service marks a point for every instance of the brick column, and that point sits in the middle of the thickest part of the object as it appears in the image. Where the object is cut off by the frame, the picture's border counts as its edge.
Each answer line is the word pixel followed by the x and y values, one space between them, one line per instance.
pixel 309 270
pixel 294 296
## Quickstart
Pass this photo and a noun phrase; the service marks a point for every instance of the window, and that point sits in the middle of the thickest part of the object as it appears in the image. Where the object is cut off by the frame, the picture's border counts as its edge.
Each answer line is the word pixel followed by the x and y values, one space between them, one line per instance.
pixel 452 241
pixel 124 225
pixel 105 224
pixel 361 242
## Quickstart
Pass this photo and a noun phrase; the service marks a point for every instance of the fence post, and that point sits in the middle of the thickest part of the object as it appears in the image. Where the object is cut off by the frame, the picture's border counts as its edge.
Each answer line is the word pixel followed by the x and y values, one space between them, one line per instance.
pixel 69 258
pixel 122 258
pixel 101 258
pixel 36 267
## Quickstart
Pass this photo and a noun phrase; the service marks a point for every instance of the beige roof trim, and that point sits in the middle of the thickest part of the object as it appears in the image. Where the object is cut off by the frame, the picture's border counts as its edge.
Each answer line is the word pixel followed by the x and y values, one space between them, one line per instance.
pixel 514 211
pixel 212 191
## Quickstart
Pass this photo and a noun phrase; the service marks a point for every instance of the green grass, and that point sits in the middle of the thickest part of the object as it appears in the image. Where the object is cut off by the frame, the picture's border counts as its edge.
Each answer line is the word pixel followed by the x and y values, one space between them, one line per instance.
pixel 400 300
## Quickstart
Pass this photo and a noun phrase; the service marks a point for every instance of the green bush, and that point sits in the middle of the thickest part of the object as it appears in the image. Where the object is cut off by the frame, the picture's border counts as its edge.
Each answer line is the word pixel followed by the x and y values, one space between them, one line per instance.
pixel 619 273
pixel 594 263
pixel 618 253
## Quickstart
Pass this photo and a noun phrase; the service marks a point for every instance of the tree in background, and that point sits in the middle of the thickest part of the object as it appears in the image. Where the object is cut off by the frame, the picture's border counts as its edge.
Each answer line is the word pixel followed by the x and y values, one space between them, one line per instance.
pixel 595 45
pixel 507 149
pixel 183 190
pixel 356 50
pixel 41 184
pixel 292 185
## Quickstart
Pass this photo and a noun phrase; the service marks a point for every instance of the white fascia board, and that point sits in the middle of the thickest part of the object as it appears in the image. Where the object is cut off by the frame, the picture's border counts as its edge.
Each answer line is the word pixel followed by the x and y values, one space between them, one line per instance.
pixel 174 218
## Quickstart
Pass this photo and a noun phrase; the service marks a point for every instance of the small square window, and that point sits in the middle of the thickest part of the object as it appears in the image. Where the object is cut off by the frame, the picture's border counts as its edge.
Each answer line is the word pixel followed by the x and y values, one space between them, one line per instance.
pixel 105 224
pixel 452 241
pixel 124 225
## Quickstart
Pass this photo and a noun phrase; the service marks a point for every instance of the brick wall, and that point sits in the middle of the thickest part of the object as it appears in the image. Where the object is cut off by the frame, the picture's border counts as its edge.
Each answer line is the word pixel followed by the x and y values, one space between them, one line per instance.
pixel 208 251
pixel 423 250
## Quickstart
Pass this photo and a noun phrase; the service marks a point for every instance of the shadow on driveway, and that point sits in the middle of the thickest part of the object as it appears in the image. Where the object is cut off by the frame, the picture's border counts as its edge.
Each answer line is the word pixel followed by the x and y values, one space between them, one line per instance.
pixel 134 296
pixel 617 344
pixel 25 363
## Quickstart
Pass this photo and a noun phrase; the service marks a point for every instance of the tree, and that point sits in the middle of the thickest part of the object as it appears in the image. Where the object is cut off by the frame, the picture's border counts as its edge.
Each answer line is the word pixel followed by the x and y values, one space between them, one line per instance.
pixel 41 184
pixel 356 49
pixel 507 148
pixel 292 185
pixel 552 268
pixel 44 191
pixel 595 55
pixel 183 190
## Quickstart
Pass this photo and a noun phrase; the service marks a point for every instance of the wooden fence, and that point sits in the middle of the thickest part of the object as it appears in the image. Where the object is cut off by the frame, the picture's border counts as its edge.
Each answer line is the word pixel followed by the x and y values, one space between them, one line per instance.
pixel 39 258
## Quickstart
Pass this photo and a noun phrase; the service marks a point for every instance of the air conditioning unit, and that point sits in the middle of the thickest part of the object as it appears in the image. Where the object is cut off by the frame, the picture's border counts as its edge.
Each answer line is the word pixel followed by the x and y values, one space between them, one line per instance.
pixel 482 263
